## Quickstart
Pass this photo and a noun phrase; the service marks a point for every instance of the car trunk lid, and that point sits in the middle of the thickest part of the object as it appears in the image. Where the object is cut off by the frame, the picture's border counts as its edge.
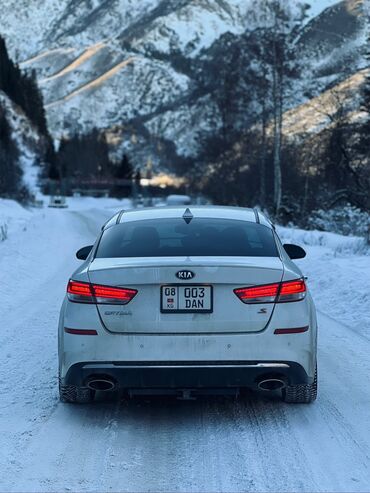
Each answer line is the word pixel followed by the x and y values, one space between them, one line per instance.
pixel 148 275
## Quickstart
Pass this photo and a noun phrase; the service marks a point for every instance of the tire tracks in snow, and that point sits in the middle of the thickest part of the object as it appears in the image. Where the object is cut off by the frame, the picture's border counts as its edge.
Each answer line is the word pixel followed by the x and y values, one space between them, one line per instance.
pixel 29 356
pixel 279 456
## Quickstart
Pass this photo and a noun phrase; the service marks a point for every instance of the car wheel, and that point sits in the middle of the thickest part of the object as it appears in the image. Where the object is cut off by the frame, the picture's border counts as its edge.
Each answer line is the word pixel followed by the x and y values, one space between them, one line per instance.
pixel 76 395
pixel 301 394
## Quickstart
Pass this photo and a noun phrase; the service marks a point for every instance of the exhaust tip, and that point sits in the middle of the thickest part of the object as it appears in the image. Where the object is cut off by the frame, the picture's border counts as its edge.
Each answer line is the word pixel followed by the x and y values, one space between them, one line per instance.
pixel 271 384
pixel 102 384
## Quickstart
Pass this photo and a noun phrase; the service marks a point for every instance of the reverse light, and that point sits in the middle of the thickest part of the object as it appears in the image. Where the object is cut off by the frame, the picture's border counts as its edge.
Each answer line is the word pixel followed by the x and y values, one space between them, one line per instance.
pixel 273 293
pixel 84 292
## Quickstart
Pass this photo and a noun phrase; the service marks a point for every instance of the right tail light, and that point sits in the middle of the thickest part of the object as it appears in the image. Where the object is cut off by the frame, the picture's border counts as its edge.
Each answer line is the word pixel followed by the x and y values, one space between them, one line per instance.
pixel 280 292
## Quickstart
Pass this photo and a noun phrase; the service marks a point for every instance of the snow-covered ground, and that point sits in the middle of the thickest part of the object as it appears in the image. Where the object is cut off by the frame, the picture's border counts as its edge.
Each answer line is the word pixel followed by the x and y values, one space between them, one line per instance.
pixel 338 270
pixel 207 445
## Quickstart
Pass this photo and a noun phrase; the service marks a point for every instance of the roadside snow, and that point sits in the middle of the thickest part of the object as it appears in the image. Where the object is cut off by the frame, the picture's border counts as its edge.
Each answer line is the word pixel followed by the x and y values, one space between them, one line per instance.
pixel 338 269
pixel 37 237
pixel 88 203
pixel 13 217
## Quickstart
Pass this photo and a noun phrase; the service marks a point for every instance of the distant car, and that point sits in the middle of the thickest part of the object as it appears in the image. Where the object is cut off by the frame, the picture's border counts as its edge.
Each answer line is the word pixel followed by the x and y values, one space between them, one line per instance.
pixel 186 300
pixel 178 200
pixel 58 202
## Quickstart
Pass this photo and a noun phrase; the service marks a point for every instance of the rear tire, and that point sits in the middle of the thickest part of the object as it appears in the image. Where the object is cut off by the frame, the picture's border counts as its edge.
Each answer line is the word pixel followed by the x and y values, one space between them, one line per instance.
pixel 301 394
pixel 75 395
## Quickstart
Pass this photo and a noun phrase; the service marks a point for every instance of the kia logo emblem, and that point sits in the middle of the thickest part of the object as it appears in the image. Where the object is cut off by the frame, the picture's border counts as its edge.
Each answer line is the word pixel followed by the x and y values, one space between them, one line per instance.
pixel 185 274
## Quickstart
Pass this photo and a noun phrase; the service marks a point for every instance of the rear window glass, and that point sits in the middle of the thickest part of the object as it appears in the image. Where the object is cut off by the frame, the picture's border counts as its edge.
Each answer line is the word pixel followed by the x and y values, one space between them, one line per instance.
pixel 200 238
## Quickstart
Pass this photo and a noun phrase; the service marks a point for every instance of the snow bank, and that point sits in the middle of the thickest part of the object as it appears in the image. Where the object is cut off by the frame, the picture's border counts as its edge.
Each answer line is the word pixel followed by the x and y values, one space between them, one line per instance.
pixel 13 217
pixel 88 203
pixel 339 244
pixel 338 270
pixel 39 238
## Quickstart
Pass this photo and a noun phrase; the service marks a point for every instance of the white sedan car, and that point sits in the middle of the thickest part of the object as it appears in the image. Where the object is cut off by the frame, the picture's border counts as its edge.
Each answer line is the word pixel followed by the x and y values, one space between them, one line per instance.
pixel 188 301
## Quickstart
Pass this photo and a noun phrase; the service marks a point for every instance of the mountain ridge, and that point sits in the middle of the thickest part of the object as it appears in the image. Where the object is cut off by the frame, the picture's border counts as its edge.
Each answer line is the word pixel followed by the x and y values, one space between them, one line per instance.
pixel 81 59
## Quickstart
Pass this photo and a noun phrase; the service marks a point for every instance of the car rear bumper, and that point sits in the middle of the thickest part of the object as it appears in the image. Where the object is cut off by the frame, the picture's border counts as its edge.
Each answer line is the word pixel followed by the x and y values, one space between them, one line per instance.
pixel 210 359
pixel 186 375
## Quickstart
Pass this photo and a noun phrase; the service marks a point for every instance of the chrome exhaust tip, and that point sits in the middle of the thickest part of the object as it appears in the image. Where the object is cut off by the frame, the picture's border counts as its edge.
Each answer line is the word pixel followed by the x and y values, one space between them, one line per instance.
pixel 101 384
pixel 270 384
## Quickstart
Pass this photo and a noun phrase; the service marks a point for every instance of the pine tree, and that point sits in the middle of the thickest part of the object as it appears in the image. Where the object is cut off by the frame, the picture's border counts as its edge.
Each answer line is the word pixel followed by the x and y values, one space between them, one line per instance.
pixel 366 96
pixel 124 169
pixel 34 102
pixel 364 141
pixel 10 175
pixel 22 89
pixel 51 162
pixel 84 156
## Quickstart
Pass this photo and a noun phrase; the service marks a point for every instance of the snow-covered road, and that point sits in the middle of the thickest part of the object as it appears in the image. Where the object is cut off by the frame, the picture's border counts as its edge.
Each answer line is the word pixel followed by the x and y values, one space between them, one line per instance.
pixel 212 444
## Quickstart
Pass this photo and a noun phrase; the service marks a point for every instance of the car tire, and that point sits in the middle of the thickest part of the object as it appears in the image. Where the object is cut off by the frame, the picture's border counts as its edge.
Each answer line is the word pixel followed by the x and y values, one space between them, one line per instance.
pixel 75 395
pixel 301 394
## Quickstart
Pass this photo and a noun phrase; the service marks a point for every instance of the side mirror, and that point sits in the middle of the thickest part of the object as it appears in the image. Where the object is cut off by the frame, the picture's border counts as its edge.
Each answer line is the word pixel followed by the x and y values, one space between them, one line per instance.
pixel 84 252
pixel 294 251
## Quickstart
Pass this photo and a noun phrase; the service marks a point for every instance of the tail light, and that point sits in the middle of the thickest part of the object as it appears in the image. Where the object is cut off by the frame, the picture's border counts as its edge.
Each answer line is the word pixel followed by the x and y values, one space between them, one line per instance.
pixel 84 292
pixel 258 294
pixel 273 293
pixel 292 291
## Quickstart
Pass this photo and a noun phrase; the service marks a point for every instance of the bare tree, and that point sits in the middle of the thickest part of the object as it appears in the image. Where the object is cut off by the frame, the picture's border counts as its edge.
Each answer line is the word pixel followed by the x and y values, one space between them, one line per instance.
pixel 345 161
pixel 284 65
pixel 278 96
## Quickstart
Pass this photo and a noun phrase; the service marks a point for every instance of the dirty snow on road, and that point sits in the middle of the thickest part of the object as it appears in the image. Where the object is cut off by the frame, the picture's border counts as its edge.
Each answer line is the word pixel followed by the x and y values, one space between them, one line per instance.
pixel 213 444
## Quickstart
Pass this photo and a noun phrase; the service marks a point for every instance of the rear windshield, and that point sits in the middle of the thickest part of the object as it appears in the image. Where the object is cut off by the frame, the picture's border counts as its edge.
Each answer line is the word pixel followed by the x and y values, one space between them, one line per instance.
pixel 200 238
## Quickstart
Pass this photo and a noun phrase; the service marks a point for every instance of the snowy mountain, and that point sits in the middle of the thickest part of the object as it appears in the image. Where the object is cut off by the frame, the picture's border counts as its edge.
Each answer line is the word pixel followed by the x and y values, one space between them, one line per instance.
pixel 131 68
pixel 334 40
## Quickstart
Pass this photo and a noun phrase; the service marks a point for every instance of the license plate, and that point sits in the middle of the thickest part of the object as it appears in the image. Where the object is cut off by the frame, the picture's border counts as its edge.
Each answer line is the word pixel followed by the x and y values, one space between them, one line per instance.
pixel 186 299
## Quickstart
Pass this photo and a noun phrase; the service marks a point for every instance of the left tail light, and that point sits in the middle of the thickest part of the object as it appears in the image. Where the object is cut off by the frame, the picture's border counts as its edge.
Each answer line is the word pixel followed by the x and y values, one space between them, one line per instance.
pixel 280 292
pixel 84 292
